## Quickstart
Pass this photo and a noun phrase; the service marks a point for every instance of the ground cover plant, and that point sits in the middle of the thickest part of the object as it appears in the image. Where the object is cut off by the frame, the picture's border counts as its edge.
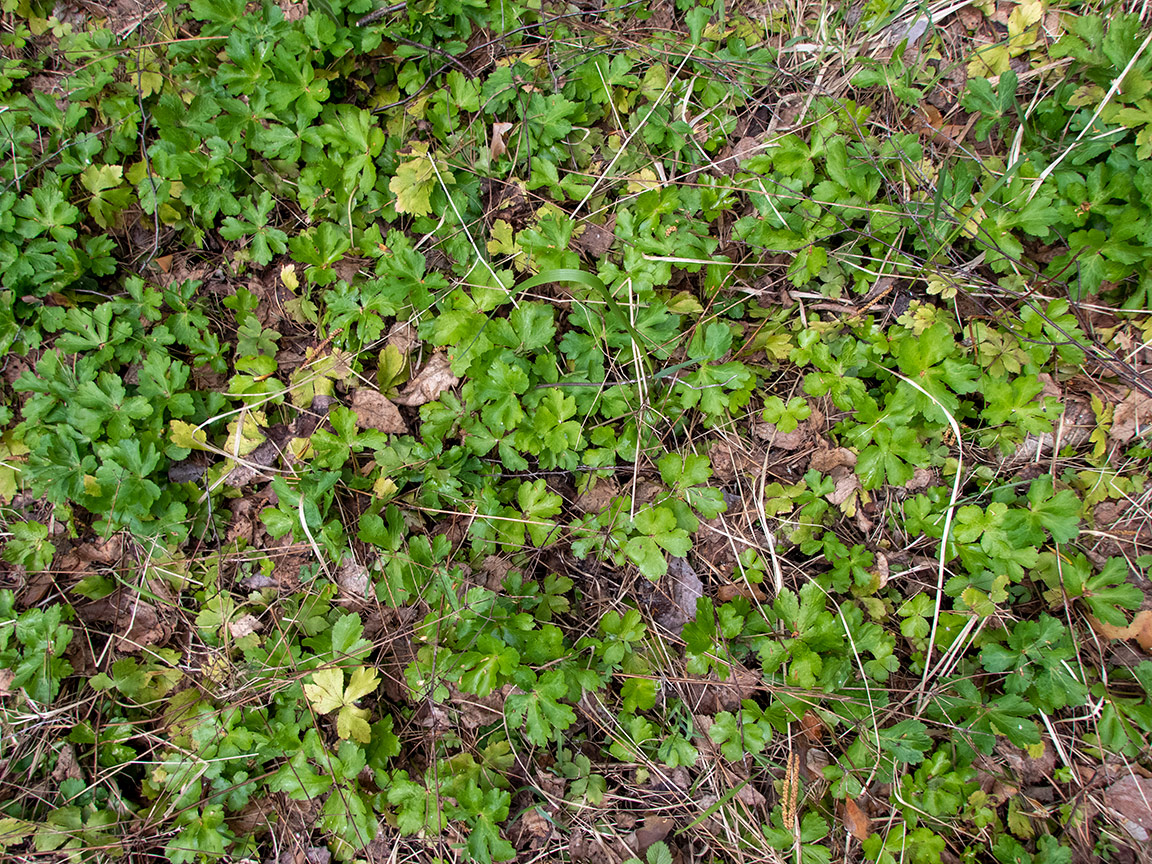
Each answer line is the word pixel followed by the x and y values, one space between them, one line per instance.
pixel 524 431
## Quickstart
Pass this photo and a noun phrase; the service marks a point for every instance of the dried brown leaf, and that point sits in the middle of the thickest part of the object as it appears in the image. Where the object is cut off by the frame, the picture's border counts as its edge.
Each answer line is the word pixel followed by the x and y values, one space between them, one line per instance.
pixel 812 727
pixel 433 379
pixel 598 496
pixel 921 479
pixel 825 460
pixel 102 551
pixel 375 411
pixel 797 439
pixel 1132 416
pixel 352 578
pixel 654 829
pixel 246 625
pixel 732 458
pixel 476 711
pixel 710 695
pixel 294 11
pixel 729 592
pixel 66 766
pixel 594 240
pixel 1130 798
pixel 499 130
pixel 532 829
pixel 403 337
pixel 847 484
pixel 682 588
pixel 750 796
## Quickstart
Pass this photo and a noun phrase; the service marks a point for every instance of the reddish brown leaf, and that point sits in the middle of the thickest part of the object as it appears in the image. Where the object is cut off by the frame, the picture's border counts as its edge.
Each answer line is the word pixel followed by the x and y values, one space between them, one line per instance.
pixel 856 820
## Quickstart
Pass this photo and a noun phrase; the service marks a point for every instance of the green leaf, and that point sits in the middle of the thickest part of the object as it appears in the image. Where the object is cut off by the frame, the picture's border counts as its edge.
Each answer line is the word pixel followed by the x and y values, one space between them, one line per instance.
pixel 1058 513
pixel 1009 716
pixel 46 210
pixel 538 504
pixel 638 694
pixel 740 733
pixel 28 546
pixel 485 843
pixel 488 667
pixel 906 742
pixel 541 711
pixel 682 471
pixel 646 555
pixel 533 324
pixel 1109 591
pixel 127 677
pixel 676 750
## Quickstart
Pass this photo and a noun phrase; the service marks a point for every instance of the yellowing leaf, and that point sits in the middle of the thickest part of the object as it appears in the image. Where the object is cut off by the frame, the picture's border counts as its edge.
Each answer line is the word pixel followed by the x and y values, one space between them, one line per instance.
pixel 13 831
pixel 412 187
pixel 97 178
pixel 12 451
pixel 778 346
pixel 326 692
pixel 148 82
pixel 300 449
pixel 1099 436
pixel 363 682
pixel 1022 30
pixel 143 73
pixel 414 182
pixel 1144 143
pixel 946 289
pixel 289 278
pixel 384 487
pixel 971 227
pixel 685 303
pixel 242 440
pixel 187 436
pixel 655 80
pixel 1087 94
pixel 315 377
pixel 392 370
pixel 989 62
pixel 643 181
pixel 502 242
pixel 352 723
